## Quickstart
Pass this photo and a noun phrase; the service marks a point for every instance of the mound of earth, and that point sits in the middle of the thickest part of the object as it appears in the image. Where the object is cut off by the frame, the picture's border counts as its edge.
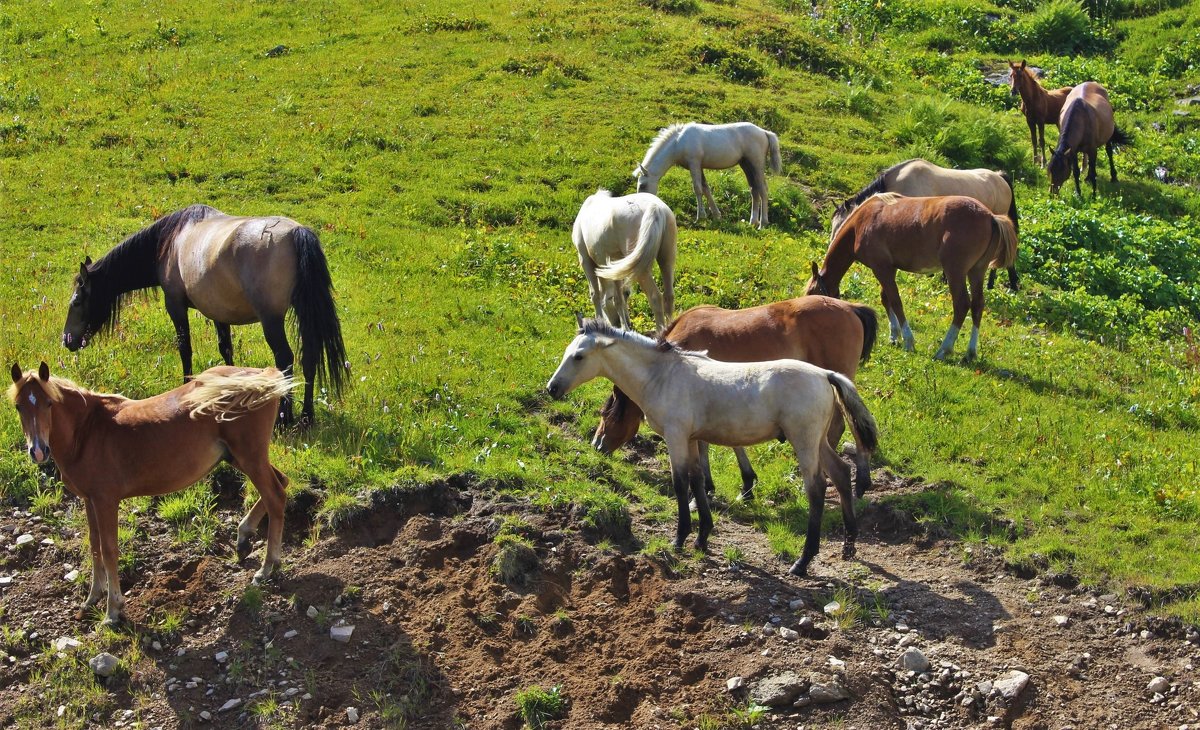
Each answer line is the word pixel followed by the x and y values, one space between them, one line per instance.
pixel 929 634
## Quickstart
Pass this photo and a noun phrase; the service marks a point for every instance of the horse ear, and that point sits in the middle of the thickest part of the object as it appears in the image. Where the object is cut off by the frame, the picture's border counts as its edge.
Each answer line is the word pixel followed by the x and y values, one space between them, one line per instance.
pixel 44 371
pixel 87 260
pixel 579 320
pixel 1022 64
pixel 816 272
pixel 83 269
pixel 16 373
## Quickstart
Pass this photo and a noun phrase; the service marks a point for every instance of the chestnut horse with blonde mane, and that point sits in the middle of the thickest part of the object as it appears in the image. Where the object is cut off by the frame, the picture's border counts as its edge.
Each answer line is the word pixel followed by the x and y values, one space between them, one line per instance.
pixel 954 234
pixel 825 332
pixel 109 448
pixel 1040 106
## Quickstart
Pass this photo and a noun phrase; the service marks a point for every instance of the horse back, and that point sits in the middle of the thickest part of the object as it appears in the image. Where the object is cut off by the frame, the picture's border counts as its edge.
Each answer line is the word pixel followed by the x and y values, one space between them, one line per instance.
pixel 915 234
pixel 921 178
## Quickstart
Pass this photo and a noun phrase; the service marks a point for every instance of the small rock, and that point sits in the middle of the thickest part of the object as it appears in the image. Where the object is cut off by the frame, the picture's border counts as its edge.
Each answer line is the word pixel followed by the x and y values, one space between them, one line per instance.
pixel 312 612
pixel 341 633
pixel 769 630
pixel 290 634
pixel 833 607
pixel 6 580
pixel 733 684
pixel 26 538
pixel 352 714
pixel 1061 620
pixel 901 627
pixel 63 643
pixel 231 704
pixel 778 690
pixel 914 661
pixel 804 624
pixel 103 664
pixel 221 657
pixel 71 576
pixel 796 605
pixel 205 715
pixel 1012 684
pixel 156 646
pixel 802 701
pixel 826 692
pixel 788 634
pixel 1159 685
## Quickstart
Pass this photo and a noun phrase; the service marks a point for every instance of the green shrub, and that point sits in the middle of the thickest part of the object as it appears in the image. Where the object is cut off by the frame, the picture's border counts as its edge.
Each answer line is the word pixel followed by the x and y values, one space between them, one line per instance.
pixel 933 130
pixel 1061 27
pixel 538 706
pixel 729 62
pixel 516 561
pixel 794 48
pixel 676 7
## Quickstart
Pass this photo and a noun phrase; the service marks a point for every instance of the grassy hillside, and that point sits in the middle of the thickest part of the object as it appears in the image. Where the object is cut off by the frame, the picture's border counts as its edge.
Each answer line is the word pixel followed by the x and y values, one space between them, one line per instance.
pixel 442 150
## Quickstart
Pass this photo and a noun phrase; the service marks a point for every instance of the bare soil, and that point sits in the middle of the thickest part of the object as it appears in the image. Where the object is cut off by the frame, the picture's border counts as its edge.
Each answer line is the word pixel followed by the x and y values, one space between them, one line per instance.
pixel 633 640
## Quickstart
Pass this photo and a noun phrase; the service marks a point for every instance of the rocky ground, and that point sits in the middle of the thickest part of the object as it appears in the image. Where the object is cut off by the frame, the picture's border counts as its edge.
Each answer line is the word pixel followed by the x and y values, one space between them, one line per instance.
pixel 401 618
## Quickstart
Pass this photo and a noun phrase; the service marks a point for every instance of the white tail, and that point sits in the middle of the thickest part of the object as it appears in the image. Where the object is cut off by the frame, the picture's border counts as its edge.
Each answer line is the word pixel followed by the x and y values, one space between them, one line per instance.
pixel 776 159
pixel 225 397
pixel 641 258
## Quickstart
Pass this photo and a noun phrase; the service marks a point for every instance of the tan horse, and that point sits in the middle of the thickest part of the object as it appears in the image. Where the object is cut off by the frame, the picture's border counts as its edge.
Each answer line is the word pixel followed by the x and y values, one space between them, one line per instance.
pixel 825 332
pixel 920 178
pixel 110 448
pixel 1040 106
pixel 234 271
pixel 1086 124
pixel 954 234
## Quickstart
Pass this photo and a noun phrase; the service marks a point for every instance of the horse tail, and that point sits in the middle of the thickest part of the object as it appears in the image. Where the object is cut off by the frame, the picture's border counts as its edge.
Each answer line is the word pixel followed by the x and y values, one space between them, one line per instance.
pixel 650 233
pixel 776 159
pixel 870 325
pixel 1120 137
pixel 316 315
pixel 862 423
pixel 226 397
pixel 1012 203
pixel 1004 234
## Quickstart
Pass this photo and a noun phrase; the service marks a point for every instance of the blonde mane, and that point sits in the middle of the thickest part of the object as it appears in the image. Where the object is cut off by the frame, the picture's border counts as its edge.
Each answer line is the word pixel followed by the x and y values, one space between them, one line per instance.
pixel 665 135
pixel 887 198
pixel 54 388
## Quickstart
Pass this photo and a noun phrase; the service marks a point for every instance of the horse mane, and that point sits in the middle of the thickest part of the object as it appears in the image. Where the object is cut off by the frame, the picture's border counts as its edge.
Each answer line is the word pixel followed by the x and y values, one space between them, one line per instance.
pixel 132 264
pixel 876 186
pixel 55 387
pixel 888 198
pixel 592 326
pixel 1077 107
pixel 665 135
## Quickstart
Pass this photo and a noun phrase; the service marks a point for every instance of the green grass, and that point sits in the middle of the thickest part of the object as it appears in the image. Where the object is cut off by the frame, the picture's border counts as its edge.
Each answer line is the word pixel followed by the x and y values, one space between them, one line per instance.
pixel 537 706
pixel 443 173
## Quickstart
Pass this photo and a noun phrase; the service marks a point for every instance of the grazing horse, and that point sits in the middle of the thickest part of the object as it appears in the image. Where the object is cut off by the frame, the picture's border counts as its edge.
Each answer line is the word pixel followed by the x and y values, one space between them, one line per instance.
pixel 1040 106
pixel 110 448
pixel 825 332
pixel 690 398
pixel 1086 123
pixel 234 271
pixel 954 234
pixel 700 147
pixel 920 178
pixel 620 239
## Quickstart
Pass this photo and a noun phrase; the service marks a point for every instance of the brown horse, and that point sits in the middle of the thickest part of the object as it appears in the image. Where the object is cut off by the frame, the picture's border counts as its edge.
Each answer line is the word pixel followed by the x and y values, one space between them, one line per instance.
pixel 234 271
pixel 825 332
pixel 1040 106
pixel 954 234
pixel 109 448
pixel 921 178
pixel 1086 123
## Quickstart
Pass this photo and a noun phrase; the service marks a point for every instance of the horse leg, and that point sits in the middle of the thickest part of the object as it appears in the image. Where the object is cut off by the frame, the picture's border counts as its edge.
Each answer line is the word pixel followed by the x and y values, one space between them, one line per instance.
pixel 961 301
pixel 700 493
pixel 698 185
pixel 679 450
pixel 177 310
pixel 224 342
pixel 893 323
pixel 1112 170
pixel 646 281
pixel 1033 136
pixel 621 303
pixel 273 330
pixel 839 473
pixel 976 281
pixel 708 194
pixel 595 288
pixel 106 525
pixel 705 470
pixel 1091 176
pixel 1075 174
pixel 748 475
pixel 756 179
pixel 895 308
pixel 99 576
pixel 814 488
pixel 271 485
pixel 666 269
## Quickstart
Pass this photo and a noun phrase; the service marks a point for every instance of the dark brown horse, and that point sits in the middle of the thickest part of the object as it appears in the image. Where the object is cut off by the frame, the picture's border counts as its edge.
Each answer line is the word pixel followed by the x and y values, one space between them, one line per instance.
pixel 1041 107
pixel 954 234
pixel 234 271
pixel 825 332
pixel 1085 125
pixel 110 448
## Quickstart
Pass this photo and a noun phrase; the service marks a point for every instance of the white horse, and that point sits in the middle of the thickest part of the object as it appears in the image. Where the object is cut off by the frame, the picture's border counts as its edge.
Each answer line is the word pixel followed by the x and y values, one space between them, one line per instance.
pixel 700 147
pixel 690 398
pixel 620 239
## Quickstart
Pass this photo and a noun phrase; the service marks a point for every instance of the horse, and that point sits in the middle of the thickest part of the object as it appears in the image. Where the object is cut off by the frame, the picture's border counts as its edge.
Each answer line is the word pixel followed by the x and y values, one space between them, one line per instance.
pixel 920 178
pixel 620 239
pixel 700 147
pixel 1086 123
pixel 690 398
pixel 954 234
pixel 109 448
pixel 1039 105
pixel 825 332
pixel 234 271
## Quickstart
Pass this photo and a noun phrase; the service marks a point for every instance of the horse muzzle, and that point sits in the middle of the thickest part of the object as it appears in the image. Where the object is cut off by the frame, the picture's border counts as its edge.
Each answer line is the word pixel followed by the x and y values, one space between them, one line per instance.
pixel 555 390
pixel 39 452
pixel 73 343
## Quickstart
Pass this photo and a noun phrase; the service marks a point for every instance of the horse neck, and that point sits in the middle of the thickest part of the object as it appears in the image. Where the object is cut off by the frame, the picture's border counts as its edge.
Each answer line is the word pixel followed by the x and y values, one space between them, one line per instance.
pixel 634 368
pixel 1071 133
pixel 840 255
pixel 1036 97
pixel 661 158
pixel 75 419
pixel 131 266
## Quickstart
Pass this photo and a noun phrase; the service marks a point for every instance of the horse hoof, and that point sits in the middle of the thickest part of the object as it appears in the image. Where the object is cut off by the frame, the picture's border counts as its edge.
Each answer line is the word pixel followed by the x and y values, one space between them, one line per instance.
pixel 799 570
pixel 243 548
pixel 849 551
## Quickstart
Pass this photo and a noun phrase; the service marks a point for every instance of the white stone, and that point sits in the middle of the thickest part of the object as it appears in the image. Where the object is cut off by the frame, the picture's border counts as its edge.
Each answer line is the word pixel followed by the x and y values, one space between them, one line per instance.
pixel 733 684
pixel 341 633
pixel 21 540
pixel 235 702
pixel 914 661
pixel 312 612
pixel 1159 685
pixel 769 629
pixel 833 607
pixel 901 627
pixel 64 643
pixel 221 657
pixel 103 664
pixel 831 691
pixel 156 646
pixel 6 580
pixel 71 575
pixel 796 605
pixel 352 714
pixel 1011 684
pixel 1061 620
pixel 205 715
pixel 291 634
pixel 788 634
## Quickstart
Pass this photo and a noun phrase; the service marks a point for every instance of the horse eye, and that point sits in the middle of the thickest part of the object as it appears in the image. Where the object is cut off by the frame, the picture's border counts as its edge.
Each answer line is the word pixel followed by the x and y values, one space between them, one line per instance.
pixel 578 356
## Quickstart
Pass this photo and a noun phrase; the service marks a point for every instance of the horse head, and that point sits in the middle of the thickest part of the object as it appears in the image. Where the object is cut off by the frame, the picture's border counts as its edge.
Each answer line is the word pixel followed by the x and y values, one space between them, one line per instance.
pixel 84 319
pixel 618 423
pixel 1016 74
pixel 33 394
pixel 580 362
pixel 646 182
pixel 818 284
pixel 1059 169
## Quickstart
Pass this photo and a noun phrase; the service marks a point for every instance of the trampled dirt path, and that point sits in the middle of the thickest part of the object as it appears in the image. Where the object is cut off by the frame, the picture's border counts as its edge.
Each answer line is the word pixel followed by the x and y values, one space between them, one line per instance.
pixel 634 641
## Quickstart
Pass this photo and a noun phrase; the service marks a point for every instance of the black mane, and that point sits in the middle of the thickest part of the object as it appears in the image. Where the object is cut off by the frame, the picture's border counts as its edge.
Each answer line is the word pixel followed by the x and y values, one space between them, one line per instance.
pixel 132 265
pixel 878 185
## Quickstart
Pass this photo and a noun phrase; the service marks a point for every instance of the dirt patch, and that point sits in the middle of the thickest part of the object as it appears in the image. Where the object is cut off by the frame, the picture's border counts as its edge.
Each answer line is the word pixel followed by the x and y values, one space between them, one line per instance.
pixel 633 641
